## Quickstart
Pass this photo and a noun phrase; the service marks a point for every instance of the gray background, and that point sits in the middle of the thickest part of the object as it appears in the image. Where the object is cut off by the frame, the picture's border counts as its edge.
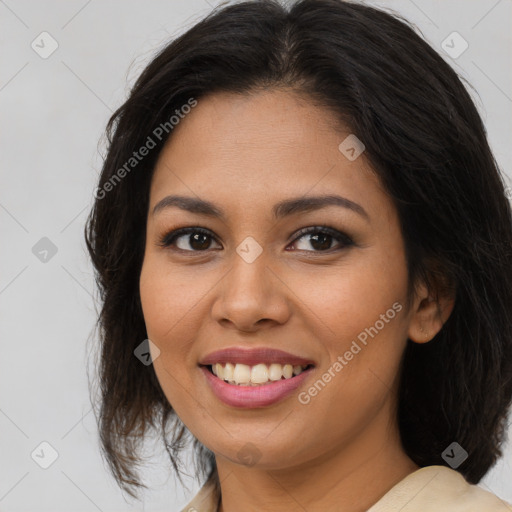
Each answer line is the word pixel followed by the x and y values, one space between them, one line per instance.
pixel 54 111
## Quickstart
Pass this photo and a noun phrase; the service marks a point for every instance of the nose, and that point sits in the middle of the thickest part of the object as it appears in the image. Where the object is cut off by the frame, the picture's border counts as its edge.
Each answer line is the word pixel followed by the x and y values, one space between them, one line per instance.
pixel 251 297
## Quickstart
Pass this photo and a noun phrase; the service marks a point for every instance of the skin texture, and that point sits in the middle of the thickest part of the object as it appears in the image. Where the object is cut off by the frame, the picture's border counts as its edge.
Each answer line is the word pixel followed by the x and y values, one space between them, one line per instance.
pixel 342 450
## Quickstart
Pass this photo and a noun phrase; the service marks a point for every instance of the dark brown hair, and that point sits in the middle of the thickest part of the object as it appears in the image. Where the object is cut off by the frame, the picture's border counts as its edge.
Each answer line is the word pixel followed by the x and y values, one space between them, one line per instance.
pixel 425 140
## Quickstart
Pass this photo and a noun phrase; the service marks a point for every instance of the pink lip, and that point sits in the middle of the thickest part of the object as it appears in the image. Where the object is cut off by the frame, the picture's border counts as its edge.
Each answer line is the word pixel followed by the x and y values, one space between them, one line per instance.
pixel 253 356
pixel 253 396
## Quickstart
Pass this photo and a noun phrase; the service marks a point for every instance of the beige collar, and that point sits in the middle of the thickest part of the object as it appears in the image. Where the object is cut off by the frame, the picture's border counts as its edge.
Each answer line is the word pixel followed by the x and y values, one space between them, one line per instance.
pixel 438 488
pixel 428 489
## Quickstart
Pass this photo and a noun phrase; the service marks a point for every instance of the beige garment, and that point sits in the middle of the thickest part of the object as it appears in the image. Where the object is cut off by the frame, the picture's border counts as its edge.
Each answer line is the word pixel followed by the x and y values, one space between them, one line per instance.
pixel 428 489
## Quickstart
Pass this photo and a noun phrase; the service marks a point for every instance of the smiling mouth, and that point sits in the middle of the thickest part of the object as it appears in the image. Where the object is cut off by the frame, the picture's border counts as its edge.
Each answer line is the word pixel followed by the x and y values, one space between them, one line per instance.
pixel 255 375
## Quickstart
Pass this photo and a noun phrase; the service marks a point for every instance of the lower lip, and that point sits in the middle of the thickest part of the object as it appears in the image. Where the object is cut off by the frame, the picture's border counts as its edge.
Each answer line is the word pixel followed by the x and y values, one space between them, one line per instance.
pixel 254 396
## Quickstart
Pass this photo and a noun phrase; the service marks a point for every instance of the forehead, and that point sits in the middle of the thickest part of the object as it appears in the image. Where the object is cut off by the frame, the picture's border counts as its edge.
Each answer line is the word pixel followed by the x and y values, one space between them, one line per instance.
pixel 250 148
pixel 276 118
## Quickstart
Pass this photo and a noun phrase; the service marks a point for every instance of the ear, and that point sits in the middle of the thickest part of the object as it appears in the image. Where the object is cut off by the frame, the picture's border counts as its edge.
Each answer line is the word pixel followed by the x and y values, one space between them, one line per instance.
pixel 430 312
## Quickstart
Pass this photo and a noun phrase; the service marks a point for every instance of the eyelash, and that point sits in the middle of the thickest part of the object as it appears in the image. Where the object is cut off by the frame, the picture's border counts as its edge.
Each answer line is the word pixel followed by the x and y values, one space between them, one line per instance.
pixel 168 239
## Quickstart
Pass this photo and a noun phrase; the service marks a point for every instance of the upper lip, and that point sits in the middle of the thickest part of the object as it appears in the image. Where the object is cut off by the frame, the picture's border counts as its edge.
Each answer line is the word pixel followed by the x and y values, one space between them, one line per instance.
pixel 253 356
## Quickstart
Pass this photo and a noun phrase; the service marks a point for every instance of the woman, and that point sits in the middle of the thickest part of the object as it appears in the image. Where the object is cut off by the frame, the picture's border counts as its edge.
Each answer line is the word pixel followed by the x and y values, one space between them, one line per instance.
pixel 300 223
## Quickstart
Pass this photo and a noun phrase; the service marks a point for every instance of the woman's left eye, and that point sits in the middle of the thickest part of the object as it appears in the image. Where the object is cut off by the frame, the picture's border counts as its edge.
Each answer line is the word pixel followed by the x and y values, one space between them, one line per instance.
pixel 320 238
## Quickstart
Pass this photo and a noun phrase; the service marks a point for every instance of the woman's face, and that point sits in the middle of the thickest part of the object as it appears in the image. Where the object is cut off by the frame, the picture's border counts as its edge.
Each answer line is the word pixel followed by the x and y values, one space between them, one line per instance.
pixel 335 298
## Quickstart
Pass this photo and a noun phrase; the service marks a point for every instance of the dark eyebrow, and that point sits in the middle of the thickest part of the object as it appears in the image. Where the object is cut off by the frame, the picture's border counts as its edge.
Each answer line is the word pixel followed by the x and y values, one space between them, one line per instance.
pixel 280 210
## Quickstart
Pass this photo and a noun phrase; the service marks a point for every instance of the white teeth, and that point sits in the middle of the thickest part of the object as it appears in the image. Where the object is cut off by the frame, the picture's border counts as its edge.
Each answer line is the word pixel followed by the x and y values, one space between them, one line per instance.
pixel 219 371
pixel 242 374
pixel 229 369
pixel 245 375
pixel 259 374
pixel 276 372
pixel 287 371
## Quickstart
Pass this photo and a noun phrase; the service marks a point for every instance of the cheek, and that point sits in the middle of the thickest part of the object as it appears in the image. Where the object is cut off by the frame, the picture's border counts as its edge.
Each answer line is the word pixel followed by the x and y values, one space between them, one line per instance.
pixel 167 305
pixel 357 313
pixel 168 295
pixel 363 348
pixel 175 303
pixel 165 302
pixel 346 299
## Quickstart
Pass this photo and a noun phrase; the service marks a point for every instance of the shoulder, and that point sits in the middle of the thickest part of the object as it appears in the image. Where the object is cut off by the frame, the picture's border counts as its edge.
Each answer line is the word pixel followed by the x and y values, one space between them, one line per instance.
pixel 429 489
pixel 207 498
pixel 435 488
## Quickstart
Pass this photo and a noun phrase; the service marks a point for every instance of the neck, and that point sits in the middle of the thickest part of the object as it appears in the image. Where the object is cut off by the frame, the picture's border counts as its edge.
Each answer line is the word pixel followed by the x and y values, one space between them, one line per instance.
pixel 350 477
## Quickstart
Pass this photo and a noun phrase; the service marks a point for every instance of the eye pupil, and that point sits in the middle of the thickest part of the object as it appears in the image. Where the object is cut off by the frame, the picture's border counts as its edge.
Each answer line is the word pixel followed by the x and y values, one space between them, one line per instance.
pixel 199 236
pixel 322 237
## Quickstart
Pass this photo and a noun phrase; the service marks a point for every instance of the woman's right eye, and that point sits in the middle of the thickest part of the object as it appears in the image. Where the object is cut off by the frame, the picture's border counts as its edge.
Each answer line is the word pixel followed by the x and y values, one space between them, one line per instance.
pixel 197 238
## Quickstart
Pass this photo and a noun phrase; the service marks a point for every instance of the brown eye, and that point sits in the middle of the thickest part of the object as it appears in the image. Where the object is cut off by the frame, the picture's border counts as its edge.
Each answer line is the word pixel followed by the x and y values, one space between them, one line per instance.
pixel 321 238
pixel 195 239
pixel 188 239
